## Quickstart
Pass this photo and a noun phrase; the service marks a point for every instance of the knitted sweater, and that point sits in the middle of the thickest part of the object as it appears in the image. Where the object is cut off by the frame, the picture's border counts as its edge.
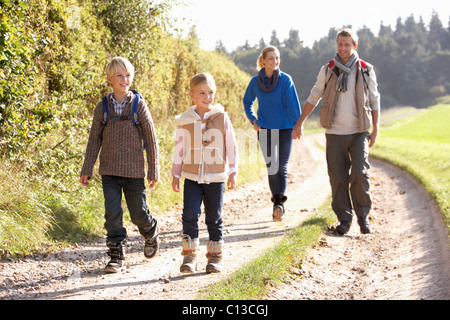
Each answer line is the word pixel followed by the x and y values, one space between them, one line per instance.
pixel 121 147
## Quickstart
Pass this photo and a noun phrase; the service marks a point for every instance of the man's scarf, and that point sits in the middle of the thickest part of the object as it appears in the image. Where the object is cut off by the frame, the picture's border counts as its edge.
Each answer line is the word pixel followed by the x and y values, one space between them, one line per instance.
pixel 273 80
pixel 344 71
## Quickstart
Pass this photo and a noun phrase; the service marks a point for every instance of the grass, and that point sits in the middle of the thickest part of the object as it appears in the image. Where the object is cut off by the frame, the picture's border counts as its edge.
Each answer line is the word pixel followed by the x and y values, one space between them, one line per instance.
pixel 420 144
pixel 255 279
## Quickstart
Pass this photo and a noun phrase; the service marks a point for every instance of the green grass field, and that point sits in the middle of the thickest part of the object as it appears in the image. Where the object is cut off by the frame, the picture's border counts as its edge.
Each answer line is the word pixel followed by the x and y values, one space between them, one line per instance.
pixel 421 145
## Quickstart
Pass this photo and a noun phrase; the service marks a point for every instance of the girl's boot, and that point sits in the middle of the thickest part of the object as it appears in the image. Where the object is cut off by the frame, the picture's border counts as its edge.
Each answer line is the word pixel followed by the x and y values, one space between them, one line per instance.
pixel 190 251
pixel 214 255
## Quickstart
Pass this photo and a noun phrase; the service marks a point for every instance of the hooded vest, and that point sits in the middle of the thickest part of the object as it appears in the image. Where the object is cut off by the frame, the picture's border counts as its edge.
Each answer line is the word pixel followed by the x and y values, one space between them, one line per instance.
pixel 205 154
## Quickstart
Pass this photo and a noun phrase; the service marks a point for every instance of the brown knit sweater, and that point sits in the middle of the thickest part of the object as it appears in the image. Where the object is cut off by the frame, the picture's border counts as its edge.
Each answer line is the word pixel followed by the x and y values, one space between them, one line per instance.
pixel 121 147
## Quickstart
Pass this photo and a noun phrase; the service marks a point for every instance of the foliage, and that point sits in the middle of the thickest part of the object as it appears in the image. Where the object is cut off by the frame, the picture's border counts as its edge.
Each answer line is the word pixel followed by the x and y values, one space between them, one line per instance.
pixel 411 62
pixel 52 59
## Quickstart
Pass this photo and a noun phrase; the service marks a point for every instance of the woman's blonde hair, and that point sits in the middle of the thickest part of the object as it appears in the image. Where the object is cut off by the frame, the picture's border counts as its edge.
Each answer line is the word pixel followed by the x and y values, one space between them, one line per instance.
pixel 111 67
pixel 263 55
pixel 202 78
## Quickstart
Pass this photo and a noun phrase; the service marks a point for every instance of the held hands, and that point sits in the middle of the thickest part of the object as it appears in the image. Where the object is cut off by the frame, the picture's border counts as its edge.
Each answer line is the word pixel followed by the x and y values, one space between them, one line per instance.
pixel 297 132
pixel 255 126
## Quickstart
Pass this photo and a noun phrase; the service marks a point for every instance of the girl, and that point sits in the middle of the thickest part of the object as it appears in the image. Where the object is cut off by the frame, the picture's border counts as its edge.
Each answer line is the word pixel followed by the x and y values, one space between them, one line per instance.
pixel 278 112
pixel 205 139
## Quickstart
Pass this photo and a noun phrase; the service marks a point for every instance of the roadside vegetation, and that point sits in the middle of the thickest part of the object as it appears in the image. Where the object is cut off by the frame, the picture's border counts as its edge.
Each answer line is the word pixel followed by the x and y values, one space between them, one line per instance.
pixel 52 59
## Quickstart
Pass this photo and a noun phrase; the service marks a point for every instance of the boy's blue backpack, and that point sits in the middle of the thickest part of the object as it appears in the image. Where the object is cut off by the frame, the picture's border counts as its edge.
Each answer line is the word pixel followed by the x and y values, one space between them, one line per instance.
pixel 133 117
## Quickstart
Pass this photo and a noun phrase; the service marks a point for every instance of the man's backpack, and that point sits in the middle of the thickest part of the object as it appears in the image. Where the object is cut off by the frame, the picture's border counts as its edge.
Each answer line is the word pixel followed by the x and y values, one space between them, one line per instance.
pixel 133 117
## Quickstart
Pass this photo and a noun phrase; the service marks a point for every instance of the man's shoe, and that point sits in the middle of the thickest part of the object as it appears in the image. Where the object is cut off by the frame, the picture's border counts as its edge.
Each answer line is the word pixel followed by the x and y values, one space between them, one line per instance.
pixel 152 245
pixel 364 225
pixel 343 228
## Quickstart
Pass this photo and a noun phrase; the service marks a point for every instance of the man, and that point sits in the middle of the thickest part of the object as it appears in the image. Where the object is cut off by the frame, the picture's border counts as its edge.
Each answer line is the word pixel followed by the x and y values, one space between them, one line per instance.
pixel 351 105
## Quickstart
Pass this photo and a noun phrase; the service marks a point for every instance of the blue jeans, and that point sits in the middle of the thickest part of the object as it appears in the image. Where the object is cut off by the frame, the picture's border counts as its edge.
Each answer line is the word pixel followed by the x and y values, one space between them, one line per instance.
pixel 276 146
pixel 212 197
pixel 135 196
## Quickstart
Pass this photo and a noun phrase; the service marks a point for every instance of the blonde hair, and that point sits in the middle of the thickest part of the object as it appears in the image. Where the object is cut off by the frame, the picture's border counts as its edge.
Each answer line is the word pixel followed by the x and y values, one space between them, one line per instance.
pixel 347 32
pixel 202 78
pixel 263 55
pixel 111 67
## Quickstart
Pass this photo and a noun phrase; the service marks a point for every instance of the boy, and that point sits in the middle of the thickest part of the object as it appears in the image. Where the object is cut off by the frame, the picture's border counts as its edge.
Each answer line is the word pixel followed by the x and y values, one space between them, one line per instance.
pixel 122 163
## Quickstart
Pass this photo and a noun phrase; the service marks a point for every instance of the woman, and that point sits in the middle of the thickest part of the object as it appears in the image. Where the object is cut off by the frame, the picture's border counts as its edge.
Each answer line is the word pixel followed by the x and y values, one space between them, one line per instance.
pixel 278 112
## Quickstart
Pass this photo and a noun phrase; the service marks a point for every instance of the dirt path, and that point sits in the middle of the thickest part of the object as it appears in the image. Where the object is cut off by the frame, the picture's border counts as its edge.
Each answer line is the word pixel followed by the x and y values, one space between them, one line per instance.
pixel 406 256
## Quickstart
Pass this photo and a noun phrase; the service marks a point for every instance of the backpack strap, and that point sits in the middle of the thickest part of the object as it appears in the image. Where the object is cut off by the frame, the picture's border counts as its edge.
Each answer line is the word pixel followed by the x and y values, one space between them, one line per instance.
pixel 105 117
pixel 331 64
pixel 329 68
pixel 134 116
pixel 365 72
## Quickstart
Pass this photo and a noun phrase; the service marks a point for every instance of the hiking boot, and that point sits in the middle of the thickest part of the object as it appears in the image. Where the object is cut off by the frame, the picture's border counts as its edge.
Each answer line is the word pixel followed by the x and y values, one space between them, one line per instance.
pixel 278 207
pixel 214 255
pixel 343 227
pixel 189 253
pixel 117 254
pixel 152 244
pixel 364 224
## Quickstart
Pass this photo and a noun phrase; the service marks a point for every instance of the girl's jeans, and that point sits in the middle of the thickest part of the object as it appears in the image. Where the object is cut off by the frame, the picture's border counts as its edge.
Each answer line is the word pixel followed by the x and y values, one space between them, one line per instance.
pixel 135 196
pixel 212 197
pixel 276 146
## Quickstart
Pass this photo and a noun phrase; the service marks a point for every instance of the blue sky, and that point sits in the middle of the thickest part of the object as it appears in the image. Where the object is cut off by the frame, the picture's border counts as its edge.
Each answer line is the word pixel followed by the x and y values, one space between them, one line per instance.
pixel 235 21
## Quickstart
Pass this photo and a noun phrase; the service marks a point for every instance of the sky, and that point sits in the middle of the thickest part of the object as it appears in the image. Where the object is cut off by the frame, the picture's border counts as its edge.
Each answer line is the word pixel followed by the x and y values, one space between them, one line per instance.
pixel 235 21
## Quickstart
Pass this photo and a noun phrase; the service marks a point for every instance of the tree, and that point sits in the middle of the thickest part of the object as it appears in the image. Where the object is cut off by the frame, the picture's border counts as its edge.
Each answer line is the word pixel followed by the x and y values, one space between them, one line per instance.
pixel 274 40
pixel 293 42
